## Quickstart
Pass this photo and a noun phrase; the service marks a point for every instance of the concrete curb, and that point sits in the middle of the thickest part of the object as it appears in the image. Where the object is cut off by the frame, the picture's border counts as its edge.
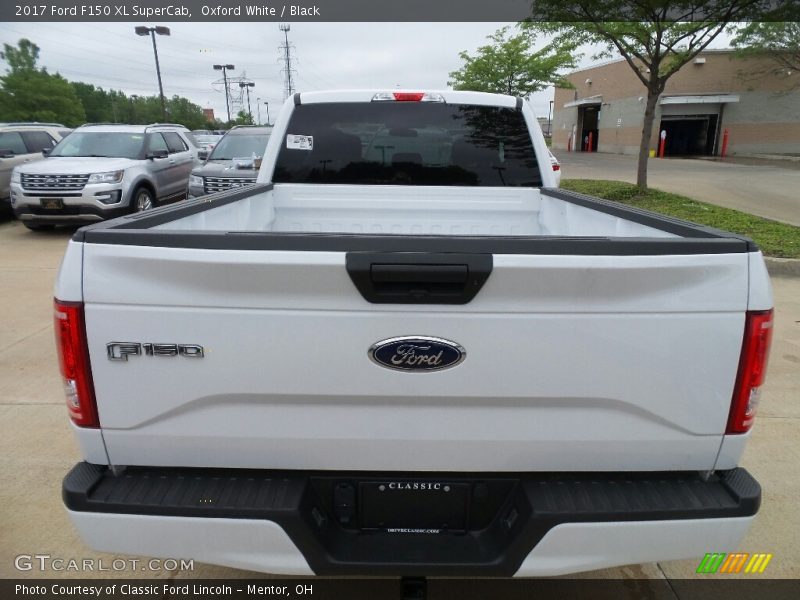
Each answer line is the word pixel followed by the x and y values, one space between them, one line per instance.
pixel 783 267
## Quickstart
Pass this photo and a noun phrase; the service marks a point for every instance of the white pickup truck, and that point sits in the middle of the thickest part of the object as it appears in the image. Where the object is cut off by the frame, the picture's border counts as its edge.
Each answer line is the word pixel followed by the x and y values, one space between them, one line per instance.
pixel 405 352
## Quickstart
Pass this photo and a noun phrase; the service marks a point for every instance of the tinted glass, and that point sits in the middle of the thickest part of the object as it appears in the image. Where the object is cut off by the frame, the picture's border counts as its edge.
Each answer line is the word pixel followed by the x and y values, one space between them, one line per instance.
pixel 407 143
pixel 174 142
pixel 155 141
pixel 36 141
pixel 240 146
pixel 106 143
pixel 11 140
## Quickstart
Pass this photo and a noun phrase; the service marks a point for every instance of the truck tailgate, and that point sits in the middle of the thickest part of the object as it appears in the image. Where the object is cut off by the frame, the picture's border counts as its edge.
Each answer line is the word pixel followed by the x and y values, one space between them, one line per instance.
pixel 590 363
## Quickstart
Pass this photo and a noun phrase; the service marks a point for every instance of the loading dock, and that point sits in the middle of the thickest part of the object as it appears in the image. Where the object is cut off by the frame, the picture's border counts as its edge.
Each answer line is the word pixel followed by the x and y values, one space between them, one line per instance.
pixel 692 123
pixel 586 130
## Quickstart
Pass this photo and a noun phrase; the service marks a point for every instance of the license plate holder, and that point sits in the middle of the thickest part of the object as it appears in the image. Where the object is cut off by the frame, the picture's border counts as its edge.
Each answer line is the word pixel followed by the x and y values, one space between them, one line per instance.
pixel 52 203
pixel 414 506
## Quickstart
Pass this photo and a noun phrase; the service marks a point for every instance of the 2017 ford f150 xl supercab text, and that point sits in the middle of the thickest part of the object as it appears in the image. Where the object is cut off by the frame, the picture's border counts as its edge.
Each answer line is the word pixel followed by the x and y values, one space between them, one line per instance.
pixel 404 352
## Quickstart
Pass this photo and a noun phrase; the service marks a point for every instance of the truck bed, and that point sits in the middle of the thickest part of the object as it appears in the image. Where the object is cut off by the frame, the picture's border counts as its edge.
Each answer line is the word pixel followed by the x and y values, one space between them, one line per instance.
pixel 325 217
pixel 611 351
pixel 411 211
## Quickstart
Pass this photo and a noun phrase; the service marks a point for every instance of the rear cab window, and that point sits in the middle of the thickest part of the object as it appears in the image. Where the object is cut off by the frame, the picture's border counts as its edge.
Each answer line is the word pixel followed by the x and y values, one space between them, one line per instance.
pixel 407 143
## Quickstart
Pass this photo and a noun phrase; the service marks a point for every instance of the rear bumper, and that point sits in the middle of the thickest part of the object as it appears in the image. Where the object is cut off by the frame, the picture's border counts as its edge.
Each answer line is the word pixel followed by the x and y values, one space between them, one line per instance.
pixel 522 524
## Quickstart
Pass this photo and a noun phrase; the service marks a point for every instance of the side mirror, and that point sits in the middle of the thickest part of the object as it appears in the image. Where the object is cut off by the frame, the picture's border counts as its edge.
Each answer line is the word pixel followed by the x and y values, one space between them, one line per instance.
pixel 46 152
pixel 158 154
pixel 6 153
pixel 202 154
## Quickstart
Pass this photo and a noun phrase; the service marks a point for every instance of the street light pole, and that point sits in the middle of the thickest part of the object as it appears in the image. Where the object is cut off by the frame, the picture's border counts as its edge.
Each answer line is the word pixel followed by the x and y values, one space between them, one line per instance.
pixel 152 31
pixel 267 103
pixel 258 109
pixel 247 85
pixel 225 69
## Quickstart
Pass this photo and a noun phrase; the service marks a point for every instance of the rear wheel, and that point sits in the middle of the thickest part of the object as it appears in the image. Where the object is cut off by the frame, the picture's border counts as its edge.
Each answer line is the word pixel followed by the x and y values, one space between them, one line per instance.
pixel 142 200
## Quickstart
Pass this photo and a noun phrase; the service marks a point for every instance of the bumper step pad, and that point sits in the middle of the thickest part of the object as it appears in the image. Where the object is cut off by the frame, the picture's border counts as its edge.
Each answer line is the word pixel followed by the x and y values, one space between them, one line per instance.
pixel 508 514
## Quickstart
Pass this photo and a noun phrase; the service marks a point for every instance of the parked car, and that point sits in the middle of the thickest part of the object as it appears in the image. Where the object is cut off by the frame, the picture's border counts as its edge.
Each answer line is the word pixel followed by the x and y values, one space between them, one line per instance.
pixel 556 168
pixel 206 142
pixel 233 162
pixel 104 171
pixel 378 364
pixel 22 143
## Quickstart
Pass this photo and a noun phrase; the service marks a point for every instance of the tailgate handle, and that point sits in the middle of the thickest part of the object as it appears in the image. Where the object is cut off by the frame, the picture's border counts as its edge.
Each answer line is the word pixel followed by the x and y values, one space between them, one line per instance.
pixel 418 277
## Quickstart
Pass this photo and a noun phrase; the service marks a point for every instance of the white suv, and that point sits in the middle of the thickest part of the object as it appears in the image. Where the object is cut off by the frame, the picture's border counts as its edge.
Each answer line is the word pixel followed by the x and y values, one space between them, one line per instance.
pixel 22 143
pixel 102 171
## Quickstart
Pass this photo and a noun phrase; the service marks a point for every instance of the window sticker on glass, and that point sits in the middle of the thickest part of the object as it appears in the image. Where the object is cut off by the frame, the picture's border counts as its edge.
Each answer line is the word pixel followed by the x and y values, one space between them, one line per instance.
pixel 299 142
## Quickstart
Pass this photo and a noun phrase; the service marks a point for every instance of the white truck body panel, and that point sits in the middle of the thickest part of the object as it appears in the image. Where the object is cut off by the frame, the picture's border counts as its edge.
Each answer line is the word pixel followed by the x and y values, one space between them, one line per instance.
pixel 598 395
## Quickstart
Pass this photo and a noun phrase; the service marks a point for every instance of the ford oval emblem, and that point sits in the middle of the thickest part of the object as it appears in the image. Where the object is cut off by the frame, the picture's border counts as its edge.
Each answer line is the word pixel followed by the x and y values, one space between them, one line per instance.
pixel 417 353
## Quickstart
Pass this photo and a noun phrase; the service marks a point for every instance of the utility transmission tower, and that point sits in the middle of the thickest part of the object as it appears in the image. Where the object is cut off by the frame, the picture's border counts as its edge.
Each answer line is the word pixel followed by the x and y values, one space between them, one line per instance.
pixel 234 90
pixel 286 48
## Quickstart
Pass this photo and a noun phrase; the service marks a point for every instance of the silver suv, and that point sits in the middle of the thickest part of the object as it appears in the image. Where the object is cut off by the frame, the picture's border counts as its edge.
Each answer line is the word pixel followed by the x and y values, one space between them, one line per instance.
pixel 102 171
pixel 233 162
pixel 23 143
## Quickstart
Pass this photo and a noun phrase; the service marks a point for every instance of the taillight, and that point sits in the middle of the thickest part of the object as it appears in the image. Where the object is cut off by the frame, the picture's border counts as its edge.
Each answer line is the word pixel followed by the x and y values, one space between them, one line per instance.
pixel 752 370
pixel 556 167
pixel 73 361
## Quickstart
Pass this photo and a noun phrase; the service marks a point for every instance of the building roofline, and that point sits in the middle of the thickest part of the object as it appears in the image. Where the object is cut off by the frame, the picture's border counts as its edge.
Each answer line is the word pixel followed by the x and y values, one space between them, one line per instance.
pixel 611 61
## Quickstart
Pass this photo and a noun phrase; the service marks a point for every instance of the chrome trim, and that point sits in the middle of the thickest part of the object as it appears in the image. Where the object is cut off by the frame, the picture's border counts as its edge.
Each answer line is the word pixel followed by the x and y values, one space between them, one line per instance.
pixel 87 217
pixel 418 338
pixel 53 183
pixel 219 184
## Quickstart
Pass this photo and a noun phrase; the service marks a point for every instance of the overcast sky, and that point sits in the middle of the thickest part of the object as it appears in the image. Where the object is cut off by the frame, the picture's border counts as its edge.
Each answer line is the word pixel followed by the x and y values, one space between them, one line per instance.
pixel 327 56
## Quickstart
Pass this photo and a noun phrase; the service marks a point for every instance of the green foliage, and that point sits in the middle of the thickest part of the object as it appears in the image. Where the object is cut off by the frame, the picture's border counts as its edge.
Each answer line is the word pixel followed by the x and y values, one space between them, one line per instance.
pixel 777 40
pixel 242 118
pixel 509 65
pixel 22 58
pixel 28 93
pixel 774 238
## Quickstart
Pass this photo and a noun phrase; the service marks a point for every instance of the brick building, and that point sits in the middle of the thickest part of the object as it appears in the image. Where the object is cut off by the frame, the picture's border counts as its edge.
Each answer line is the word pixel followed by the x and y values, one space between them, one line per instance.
pixel 718 91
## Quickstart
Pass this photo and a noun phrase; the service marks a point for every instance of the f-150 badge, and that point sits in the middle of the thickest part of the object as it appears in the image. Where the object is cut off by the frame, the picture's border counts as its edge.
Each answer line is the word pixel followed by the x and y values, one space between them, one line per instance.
pixel 122 350
pixel 417 353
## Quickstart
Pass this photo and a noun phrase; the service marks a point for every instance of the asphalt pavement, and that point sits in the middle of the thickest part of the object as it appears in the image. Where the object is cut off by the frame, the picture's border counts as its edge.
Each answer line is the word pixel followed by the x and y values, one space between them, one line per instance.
pixel 769 189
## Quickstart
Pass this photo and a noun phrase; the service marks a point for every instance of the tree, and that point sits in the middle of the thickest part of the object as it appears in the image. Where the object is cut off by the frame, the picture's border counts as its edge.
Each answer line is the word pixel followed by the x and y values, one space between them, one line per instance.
pixel 180 110
pixel 28 93
pixel 655 37
pixel 779 41
pixel 509 65
pixel 96 103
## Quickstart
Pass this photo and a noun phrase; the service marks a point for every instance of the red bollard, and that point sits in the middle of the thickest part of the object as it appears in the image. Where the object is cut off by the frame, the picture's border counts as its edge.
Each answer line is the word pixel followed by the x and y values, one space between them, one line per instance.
pixel 724 143
pixel 589 145
pixel 661 144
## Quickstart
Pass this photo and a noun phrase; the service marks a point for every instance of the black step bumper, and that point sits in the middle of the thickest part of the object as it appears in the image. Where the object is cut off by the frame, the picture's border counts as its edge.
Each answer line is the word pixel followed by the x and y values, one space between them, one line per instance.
pixel 506 515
